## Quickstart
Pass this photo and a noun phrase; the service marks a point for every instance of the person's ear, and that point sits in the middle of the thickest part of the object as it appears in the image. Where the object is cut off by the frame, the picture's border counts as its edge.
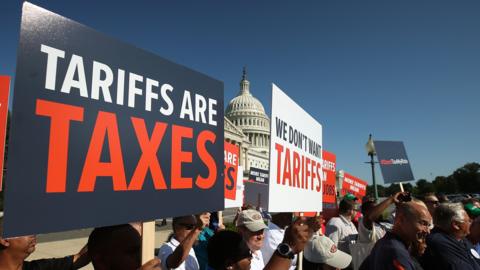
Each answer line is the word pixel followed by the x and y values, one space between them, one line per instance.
pixel 455 226
pixel 4 242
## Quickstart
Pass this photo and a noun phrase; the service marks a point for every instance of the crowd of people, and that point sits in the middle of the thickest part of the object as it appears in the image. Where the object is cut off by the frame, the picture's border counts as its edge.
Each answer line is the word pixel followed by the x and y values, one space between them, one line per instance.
pixel 400 233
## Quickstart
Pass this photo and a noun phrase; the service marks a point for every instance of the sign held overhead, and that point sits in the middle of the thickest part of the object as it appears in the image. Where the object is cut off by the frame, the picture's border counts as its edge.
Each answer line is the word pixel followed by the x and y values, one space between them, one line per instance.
pixel 107 128
pixel 295 157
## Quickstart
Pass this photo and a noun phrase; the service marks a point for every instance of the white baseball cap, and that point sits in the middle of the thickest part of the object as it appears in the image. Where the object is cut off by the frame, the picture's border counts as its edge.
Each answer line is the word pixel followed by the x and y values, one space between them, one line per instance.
pixel 252 219
pixel 320 249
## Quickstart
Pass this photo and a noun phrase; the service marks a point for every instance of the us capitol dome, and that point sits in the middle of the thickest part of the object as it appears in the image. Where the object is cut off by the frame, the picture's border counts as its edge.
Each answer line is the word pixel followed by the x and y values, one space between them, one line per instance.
pixel 248 126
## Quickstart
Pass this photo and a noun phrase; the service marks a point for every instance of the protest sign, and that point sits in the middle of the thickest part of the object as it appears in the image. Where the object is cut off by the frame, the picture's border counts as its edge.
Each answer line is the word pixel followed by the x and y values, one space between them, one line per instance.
pixel 4 93
pixel 258 175
pixel 238 202
pixel 231 167
pixel 354 185
pixel 329 177
pixel 295 157
pixel 105 133
pixel 393 161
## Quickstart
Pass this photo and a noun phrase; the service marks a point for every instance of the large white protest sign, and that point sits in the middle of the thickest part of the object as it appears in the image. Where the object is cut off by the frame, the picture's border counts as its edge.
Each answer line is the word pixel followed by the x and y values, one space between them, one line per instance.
pixel 295 157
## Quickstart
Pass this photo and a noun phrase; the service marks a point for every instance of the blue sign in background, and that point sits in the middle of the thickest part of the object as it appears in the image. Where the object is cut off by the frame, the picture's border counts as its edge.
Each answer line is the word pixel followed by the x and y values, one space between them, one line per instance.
pixel 29 209
pixel 393 161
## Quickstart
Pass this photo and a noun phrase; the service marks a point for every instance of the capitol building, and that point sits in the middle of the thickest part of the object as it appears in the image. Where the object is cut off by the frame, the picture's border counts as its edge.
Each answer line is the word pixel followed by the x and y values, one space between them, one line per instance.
pixel 248 126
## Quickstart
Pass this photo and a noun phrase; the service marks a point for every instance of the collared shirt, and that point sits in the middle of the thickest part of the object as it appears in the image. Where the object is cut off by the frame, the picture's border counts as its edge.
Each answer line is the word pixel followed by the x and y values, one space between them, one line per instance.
pixel 273 237
pixel 342 232
pixel 445 252
pixel 257 261
pixel 389 253
pixel 366 235
pixel 168 248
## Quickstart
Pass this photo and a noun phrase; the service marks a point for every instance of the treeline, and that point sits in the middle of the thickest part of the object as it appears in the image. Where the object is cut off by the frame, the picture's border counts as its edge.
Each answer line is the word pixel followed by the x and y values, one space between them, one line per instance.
pixel 465 179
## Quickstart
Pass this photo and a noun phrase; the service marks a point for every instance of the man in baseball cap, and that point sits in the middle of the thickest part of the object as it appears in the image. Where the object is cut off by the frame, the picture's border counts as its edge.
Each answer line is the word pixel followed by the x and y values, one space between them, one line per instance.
pixel 250 225
pixel 321 253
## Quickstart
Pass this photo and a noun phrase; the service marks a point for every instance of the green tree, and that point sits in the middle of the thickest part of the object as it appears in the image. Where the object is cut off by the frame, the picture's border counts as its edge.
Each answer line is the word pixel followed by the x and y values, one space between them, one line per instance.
pixel 423 187
pixel 468 177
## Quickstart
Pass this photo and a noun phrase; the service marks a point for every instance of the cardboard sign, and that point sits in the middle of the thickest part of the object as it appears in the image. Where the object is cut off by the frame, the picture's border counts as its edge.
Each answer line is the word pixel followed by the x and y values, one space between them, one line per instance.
pixel 4 93
pixel 256 194
pixel 393 161
pixel 295 157
pixel 231 167
pixel 238 202
pixel 329 180
pixel 354 185
pixel 329 177
pixel 105 133
pixel 258 175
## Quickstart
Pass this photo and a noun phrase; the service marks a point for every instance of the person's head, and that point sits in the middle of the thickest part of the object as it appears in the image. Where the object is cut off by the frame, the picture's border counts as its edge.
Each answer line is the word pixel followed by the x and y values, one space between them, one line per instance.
pixel 228 251
pixel 472 208
pixel 183 225
pixel 250 225
pixel 366 207
pixel 19 247
pixel 452 218
pixel 412 221
pixel 474 235
pixel 115 248
pixel 322 251
pixel 347 208
pixel 282 220
pixel 431 201
pixel 442 198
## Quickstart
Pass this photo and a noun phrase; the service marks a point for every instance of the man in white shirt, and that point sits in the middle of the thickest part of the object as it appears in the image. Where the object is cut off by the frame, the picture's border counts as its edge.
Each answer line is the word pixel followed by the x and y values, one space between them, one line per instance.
pixel 274 235
pixel 178 253
pixel 341 229
pixel 250 225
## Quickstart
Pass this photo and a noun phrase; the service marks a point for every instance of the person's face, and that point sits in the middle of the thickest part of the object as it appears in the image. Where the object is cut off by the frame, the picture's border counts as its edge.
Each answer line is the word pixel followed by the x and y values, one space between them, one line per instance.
pixel 418 228
pixel 254 239
pixel 184 227
pixel 23 245
pixel 125 251
pixel 206 217
pixel 475 231
pixel 432 202
pixel 462 228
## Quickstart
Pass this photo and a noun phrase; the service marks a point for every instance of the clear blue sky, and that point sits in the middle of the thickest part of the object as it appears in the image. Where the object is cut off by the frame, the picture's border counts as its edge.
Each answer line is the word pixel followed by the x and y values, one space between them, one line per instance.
pixel 401 70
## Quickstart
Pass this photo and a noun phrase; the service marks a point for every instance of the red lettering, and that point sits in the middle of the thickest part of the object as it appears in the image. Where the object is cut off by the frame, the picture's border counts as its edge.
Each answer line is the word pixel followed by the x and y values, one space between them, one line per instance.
pixel 312 167
pixel 279 149
pixel 207 159
pixel 60 115
pixel 319 170
pixel 105 126
pixel 287 174
pixel 148 160
pixel 296 169
pixel 179 157
pixel 306 171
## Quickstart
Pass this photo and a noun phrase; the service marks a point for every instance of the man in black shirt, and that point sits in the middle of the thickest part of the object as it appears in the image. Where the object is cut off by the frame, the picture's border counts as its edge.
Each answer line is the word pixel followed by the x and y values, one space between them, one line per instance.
pixel 446 245
pixel 412 223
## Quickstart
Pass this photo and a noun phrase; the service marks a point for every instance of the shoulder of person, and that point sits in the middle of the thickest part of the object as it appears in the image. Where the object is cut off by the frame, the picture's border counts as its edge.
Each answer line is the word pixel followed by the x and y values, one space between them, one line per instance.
pixel 334 221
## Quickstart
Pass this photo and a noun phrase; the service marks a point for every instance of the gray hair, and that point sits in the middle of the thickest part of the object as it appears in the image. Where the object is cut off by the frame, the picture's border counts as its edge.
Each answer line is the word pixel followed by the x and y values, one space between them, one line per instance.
pixel 445 213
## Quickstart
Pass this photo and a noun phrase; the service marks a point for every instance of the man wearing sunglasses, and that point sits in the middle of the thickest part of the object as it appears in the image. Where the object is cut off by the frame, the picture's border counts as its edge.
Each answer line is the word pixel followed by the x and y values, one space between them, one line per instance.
pixel 178 252
pixel 431 201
